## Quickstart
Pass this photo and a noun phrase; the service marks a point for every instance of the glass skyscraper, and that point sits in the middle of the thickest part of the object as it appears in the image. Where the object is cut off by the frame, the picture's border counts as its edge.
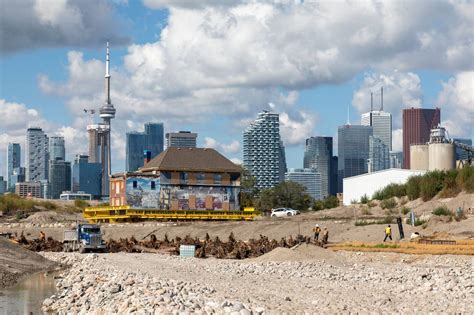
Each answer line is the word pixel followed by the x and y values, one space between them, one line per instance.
pixel 13 161
pixel 381 123
pixel 308 178
pixel 318 156
pixel 353 149
pixel 137 142
pixel 86 176
pixel 57 149
pixel 379 155
pixel 263 151
pixel 59 177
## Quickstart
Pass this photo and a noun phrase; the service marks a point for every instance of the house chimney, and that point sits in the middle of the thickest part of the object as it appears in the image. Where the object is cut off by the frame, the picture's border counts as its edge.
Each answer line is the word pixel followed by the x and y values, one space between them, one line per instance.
pixel 146 156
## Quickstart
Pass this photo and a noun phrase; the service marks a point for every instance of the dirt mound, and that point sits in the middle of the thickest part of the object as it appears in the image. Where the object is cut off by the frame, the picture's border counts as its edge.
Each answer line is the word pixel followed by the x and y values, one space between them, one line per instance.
pixel 16 262
pixel 45 217
pixel 304 252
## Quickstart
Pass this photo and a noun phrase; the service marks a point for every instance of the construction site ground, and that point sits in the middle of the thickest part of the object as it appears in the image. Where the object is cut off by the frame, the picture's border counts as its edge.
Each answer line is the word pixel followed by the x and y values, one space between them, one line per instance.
pixel 303 278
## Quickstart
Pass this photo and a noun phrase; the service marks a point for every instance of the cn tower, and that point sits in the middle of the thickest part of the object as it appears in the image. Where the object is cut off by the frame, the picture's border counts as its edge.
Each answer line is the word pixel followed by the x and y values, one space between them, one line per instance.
pixel 107 112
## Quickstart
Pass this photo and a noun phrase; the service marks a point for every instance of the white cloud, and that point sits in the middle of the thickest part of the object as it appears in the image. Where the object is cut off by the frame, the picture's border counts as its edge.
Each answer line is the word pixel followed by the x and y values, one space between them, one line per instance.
pixel 295 130
pixel 29 24
pixel 400 90
pixel 456 101
pixel 231 148
pixel 397 139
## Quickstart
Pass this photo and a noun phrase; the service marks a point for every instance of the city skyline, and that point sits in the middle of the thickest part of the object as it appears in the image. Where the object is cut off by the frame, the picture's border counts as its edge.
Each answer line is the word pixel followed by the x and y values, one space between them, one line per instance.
pixel 49 81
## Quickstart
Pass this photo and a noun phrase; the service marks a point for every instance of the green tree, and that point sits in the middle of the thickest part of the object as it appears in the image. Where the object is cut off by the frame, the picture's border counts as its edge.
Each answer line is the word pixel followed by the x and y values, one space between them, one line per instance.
pixel 248 191
pixel 287 194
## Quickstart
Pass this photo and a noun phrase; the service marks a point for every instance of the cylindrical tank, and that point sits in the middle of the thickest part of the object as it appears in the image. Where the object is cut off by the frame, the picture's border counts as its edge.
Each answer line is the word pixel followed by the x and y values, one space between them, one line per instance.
pixel 419 157
pixel 441 156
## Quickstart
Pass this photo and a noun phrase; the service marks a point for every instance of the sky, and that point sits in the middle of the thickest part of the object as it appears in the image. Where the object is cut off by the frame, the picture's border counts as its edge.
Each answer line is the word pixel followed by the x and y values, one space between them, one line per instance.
pixel 210 66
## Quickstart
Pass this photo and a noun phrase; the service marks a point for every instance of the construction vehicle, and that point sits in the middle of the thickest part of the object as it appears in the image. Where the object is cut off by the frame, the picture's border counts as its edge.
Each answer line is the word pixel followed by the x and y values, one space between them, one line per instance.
pixel 86 237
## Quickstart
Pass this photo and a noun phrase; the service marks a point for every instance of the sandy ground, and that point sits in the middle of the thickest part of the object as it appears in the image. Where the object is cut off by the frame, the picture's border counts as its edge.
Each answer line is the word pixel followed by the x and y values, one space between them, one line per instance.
pixel 16 262
pixel 307 279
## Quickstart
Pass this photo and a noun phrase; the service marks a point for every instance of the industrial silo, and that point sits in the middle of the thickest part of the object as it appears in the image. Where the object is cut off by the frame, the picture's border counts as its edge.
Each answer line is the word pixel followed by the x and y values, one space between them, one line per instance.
pixel 419 157
pixel 441 156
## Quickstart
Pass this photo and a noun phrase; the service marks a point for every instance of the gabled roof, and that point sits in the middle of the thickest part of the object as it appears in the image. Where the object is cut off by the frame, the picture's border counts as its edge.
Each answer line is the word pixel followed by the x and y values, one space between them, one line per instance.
pixel 190 159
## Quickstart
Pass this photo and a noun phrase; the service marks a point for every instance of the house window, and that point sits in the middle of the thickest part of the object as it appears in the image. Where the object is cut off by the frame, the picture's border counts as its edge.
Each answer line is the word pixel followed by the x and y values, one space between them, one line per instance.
pixel 200 177
pixel 135 184
pixel 183 177
pixel 217 179
pixel 153 185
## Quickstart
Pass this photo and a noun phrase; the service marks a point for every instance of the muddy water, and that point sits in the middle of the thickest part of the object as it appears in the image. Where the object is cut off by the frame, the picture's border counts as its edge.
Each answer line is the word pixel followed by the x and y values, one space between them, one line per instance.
pixel 27 296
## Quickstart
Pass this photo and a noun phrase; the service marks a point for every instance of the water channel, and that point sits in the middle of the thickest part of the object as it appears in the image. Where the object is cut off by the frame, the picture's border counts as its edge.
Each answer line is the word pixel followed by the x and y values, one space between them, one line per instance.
pixel 26 297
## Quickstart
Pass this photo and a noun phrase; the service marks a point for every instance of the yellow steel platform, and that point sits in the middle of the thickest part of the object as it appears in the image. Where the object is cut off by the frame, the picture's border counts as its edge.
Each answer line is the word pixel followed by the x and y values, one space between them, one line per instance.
pixel 127 214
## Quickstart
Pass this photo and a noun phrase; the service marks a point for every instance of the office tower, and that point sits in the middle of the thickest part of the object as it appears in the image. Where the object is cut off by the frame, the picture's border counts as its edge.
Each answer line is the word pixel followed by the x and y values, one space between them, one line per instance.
pixel 36 154
pixel 99 134
pixel 262 150
pixel 396 159
pixel 59 178
pixel 86 176
pixel 3 186
pixel 333 179
pixel 318 156
pixel 18 176
pixel 381 122
pixel 460 153
pixel 138 142
pixel 308 178
pixel 353 148
pixel 13 161
pixel 282 168
pixel 379 156
pixel 181 139
pixel 57 149
pixel 417 125
pixel 29 189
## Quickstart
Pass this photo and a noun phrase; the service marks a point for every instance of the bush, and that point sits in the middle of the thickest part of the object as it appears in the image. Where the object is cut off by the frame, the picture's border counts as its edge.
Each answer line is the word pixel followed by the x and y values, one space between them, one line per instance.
pixel 450 186
pixel 389 191
pixel 327 203
pixel 413 187
pixel 431 184
pixel 386 220
pixel 366 211
pixel 465 179
pixel 388 203
pixel 418 222
pixel 364 199
pixel 81 204
pixel 405 210
pixel 442 210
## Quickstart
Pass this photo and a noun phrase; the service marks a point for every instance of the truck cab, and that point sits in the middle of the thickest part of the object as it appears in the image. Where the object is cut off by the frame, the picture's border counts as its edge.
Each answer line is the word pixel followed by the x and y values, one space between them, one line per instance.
pixel 86 237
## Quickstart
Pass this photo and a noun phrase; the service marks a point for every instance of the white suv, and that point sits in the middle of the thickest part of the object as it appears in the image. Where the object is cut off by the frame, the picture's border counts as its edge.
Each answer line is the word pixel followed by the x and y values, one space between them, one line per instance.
pixel 284 212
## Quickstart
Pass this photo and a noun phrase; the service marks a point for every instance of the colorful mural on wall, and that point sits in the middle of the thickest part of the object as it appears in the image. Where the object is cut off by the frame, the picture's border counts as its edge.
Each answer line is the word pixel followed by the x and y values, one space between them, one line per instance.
pixel 143 192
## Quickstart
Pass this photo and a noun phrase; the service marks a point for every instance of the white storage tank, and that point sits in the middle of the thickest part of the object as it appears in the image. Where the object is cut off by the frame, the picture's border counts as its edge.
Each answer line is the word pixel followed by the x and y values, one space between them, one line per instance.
pixel 441 156
pixel 419 157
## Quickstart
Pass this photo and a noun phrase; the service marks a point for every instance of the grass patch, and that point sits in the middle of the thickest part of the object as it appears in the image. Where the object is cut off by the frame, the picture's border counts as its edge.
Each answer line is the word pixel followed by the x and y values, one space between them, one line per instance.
pixel 11 203
pixel 363 222
pixel 442 210
pixel 386 246
pixel 364 199
pixel 366 211
pixel 405 210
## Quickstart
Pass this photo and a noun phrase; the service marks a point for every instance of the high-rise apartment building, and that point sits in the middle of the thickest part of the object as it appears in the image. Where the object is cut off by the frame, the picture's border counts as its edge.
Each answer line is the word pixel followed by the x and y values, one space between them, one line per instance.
pixel 318 156
pixel 417 125
pixel 308 178
pixel 379 155
pixel 137 142
pixel 283 169
pixel 396 159
pixel 381 123
pixel 29 189
pixel 13 161
pixel 57 148
pixel 36 154
pixel 262 150
pixel 86 176
pixel 59 177
pixel 353 149
pixel 181 139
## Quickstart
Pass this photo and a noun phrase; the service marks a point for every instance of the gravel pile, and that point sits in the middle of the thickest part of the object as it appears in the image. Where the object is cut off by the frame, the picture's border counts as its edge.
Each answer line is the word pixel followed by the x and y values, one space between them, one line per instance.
pixel 366 282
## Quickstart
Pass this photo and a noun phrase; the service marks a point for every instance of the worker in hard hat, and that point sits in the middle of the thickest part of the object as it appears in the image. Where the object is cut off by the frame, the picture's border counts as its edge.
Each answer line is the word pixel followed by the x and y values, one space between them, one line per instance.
pixel 325 235
pixel 316 231
pixel 388 233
